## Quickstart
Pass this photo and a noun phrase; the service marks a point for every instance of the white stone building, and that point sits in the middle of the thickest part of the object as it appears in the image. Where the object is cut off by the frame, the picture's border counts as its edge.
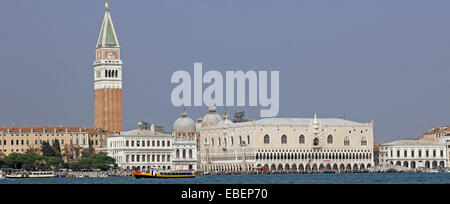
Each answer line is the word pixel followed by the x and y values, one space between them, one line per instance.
pixel 145 148
pixel 284 144
pixel 414 154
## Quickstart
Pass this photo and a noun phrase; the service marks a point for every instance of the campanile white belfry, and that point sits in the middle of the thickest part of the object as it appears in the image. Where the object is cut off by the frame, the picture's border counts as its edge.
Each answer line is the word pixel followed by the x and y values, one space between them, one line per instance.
pixel 108 78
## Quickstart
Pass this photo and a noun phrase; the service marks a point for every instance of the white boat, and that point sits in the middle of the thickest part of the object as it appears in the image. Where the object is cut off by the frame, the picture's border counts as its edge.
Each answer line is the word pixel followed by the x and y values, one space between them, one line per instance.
pixel 17 175
pixel 32 174
pixel 42 174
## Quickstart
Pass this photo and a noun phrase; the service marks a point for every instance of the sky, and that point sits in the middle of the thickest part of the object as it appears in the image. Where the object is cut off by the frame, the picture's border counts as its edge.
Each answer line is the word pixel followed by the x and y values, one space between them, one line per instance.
pixel 386 61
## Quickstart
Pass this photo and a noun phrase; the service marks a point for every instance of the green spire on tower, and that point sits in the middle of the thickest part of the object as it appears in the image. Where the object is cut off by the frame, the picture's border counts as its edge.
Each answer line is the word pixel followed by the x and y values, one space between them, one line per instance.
pixel 108 37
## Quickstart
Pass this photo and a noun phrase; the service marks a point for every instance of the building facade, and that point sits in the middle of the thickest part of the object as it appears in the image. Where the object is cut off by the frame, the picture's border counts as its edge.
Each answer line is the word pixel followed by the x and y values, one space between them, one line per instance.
pixel 108 78
pixel 414 154
pixel 435 134
pixel 147 149
pixel 285 144
pixel 26 139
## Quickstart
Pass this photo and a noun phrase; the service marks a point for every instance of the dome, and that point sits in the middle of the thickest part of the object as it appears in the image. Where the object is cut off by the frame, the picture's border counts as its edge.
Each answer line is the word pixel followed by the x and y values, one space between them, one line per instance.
pixel 212 118
pixel 184 124
pixel 225 121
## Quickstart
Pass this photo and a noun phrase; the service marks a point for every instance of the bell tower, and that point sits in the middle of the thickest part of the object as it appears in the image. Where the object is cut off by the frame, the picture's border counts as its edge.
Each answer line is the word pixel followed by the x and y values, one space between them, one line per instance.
pixel 108 78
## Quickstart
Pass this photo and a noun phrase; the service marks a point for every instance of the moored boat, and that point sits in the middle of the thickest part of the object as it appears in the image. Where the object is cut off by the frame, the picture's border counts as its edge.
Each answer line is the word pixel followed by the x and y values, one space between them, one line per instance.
pixel 42 174
pixel 32 174
pixel 163 174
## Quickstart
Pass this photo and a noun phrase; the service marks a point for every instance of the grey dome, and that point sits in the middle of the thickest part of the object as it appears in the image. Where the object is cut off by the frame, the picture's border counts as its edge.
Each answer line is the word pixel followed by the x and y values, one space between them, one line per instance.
pixel 184 124
pixel 212 118
pixel 225 122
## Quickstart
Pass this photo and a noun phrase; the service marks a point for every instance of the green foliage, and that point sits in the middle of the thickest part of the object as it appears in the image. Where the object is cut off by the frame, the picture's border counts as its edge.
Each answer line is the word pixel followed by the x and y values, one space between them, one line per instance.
pixel 31 161
pixel 87 152
pixel 95 161
pixel 54 162
pixel 47 150
pixel 28 161
pixel 56 149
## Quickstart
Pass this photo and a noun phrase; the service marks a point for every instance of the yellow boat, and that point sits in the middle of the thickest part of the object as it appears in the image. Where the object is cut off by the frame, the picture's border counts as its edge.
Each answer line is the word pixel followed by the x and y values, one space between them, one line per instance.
pixel 163 174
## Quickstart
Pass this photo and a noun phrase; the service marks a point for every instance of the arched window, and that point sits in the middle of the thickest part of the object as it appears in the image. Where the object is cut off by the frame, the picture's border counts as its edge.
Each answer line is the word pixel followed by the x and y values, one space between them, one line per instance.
pixel 301 139
pixel 266 139
pixel 363 141
pixel 316 141
pixel 248 139
pixel 232 141
pixel 284 139
pixel 346 141
pixel 220 142
pixel 330 139
pixel 106 73
pixel 117 74
pixel 212 141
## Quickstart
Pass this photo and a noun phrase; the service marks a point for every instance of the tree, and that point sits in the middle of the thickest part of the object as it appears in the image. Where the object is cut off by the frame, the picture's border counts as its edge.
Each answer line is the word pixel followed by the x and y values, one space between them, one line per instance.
pixel 87 152
pixel 13 161
pixel 67 154
pixel 53 162
pixel 56 149
pixel 47 150
pixel 76 152
pixel 2 160
pixel 95 161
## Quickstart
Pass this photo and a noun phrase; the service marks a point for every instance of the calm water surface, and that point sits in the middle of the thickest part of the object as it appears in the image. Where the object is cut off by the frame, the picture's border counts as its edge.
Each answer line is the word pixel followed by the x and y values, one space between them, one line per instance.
pixel 384 178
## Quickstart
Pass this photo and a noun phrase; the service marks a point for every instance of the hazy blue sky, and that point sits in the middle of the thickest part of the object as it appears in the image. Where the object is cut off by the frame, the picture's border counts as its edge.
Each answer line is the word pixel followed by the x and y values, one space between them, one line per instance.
pixel 383 60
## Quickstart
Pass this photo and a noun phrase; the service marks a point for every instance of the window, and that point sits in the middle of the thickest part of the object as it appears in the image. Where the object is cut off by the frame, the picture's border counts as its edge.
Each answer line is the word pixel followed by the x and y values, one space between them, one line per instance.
pixel 330 139
pixel 248 139
pixel 284 139
pixel 316 141
pixel 346 141
pixel 266 139
pixel 364 141
pixel 301 139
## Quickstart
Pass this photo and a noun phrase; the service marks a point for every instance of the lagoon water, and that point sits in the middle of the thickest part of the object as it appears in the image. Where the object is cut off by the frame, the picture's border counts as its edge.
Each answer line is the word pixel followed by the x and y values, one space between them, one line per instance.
pixel 366 178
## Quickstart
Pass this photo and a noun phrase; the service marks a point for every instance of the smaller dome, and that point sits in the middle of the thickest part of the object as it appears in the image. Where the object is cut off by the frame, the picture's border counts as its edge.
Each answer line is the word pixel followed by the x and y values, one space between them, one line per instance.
pixel 225 121
pixel 184 124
